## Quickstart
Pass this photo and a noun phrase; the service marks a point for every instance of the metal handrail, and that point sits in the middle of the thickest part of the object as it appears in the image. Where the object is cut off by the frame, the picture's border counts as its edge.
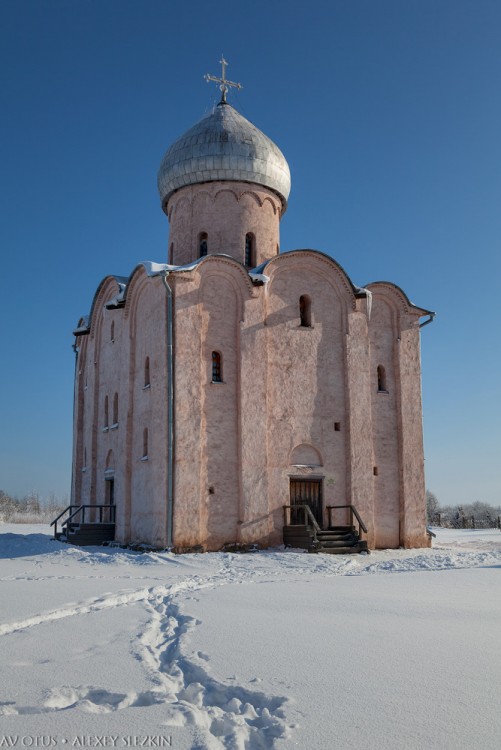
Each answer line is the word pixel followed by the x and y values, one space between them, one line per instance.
pixel 81 509
pixel 62 514
pixel 54 522
pixel 353 512
pixel 307 513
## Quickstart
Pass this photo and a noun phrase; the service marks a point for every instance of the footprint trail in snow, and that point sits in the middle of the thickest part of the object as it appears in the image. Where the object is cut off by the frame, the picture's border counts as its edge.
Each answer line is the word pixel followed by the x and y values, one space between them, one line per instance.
pixel 222 716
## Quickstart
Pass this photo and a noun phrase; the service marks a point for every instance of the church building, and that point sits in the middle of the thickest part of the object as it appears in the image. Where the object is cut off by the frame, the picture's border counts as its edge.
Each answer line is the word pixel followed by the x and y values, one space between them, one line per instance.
pixel 236 389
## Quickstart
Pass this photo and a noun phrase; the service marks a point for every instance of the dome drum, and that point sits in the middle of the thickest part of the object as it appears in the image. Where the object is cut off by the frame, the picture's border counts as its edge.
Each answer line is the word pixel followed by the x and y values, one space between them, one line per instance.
pixel 224 213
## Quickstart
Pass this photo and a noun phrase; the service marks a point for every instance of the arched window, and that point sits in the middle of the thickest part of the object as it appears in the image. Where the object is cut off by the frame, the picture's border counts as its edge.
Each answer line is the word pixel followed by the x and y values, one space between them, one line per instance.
pixel 202 244
pixel 106 412
pixel 146 372
pixel 217 368
pixel 381 379
pixel 115 409
pixel 305 311
pixel 250 260
pixel 145 442
pixel 112 334
pixel 171 254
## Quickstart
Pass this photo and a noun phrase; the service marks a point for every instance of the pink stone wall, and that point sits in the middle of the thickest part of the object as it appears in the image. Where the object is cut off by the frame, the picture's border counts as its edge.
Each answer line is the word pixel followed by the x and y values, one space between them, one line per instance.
pixel 412 454
pixel 306 377
pixel 116 365
pixel 384 335
pixel 100 375
pixel 285 386
pixel 256 522
pixel 220 301
pixel 360 458
pixel 209 310
pixel 111 353
pixel 397 420
pixel 79 432
pixel 147 472
pixel 189 503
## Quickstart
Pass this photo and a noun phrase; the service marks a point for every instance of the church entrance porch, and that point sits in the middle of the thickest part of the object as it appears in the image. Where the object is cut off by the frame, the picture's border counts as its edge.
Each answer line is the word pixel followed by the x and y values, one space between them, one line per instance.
pixel 86 525
pixel 304 527
pixel 306 492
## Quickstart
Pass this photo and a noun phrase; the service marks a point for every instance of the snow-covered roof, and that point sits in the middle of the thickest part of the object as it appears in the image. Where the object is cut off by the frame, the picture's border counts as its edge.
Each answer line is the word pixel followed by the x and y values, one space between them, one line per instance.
pixel 83 326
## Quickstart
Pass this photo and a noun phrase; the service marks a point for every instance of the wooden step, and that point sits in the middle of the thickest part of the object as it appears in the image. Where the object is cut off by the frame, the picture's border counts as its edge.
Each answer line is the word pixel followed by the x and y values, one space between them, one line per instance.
pixel 90 534
pixel 297 530
pixel 337 540
pixel 298 536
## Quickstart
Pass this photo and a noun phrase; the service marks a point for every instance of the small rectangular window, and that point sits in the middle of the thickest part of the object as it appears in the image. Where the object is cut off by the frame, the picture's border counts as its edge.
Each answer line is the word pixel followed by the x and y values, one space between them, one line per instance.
pixel 217 370
pixel 202 244
pixel 305 311
pixel 337 426
pixel 249 251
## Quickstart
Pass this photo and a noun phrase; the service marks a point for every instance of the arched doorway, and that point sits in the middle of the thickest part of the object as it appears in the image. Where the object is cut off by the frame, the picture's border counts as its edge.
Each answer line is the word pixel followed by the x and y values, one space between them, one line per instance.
pixel 109 479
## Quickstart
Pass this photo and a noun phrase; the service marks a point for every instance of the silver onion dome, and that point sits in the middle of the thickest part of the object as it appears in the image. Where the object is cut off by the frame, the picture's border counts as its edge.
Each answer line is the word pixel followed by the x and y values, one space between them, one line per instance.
pixel 223 146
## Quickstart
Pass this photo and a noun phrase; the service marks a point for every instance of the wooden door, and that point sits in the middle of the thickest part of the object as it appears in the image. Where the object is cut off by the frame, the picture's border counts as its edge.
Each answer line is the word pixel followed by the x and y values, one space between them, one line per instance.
pixel 306 492
pixel 110 491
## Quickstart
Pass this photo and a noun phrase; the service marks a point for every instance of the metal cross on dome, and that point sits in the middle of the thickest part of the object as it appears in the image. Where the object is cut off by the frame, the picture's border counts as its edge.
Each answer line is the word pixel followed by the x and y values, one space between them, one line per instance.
pixel 223 81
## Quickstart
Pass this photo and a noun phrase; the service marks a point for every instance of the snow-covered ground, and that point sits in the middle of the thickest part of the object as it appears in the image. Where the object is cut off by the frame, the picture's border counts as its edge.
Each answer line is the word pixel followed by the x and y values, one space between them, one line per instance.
pixel 280 649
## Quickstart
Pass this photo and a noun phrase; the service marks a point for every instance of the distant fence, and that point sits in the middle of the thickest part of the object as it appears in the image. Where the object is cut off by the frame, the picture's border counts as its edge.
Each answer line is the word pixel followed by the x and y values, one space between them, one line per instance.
pixel 448 521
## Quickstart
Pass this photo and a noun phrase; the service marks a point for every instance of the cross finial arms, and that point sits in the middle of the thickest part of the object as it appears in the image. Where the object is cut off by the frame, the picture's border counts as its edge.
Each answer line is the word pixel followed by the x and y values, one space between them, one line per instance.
pixel 224 84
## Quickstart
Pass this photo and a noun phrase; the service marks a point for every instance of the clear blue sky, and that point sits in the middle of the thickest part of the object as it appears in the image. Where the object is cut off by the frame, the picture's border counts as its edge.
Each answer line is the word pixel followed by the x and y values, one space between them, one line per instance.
pixel 389 113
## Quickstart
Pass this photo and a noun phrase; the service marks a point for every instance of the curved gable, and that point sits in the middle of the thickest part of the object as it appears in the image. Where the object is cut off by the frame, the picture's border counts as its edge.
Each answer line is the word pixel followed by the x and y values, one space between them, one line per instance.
pixel 318 262
pixel 215 263
pixel 136 281
pixel 109 288
pixel 399 298
pixel 232 271
pixel 308 272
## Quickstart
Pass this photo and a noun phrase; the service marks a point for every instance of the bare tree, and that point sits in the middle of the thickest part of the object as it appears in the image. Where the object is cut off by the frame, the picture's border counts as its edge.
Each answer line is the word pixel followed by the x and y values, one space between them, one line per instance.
pixel 432 506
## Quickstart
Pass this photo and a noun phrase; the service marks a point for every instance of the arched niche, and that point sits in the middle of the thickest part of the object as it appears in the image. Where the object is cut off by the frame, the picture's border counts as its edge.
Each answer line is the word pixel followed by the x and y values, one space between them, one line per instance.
pixel 305 455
